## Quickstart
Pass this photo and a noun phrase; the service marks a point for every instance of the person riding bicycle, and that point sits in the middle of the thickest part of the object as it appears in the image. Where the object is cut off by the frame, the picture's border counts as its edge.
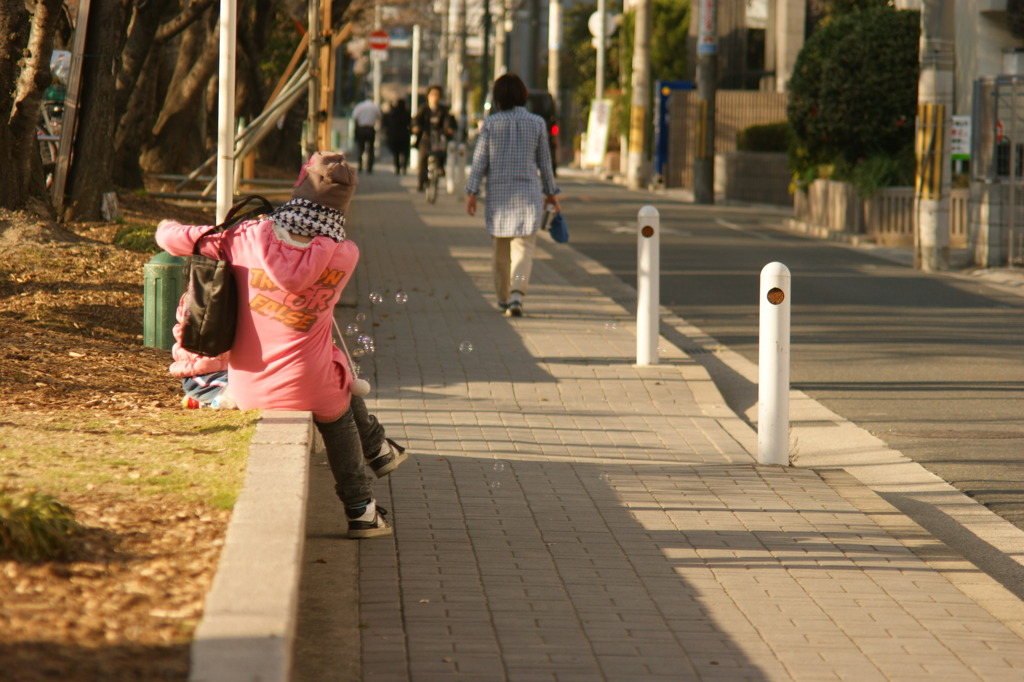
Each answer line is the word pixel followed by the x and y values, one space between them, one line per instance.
pixel 433 127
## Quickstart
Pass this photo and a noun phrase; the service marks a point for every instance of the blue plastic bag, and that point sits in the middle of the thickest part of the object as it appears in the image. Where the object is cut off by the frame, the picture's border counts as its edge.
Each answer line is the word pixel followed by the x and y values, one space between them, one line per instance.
pixel 559 229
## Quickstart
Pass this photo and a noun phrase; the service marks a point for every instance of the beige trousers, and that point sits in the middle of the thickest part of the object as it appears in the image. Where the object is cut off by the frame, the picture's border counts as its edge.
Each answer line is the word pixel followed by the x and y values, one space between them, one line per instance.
pixel 513 260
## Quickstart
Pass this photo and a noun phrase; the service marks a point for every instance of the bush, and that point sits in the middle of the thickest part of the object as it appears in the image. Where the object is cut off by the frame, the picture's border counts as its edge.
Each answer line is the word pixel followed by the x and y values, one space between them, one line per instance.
pixel 876 172
pixel 35 527
pixel 770 137
pixel 137 237
pixel 853 94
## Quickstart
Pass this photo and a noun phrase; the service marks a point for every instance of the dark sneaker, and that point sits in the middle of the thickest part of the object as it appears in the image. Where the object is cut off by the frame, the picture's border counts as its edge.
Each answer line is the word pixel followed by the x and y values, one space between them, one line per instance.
pixel 371 524
pixel 515 309
pixel 502 306
pixel 387 460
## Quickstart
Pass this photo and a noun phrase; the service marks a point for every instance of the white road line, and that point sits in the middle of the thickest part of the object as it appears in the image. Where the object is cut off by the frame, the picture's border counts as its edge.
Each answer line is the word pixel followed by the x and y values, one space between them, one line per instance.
pixel 737 228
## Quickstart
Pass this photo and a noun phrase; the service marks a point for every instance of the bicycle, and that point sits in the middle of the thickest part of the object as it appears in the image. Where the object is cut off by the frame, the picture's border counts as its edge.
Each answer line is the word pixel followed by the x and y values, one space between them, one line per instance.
pixel 435 171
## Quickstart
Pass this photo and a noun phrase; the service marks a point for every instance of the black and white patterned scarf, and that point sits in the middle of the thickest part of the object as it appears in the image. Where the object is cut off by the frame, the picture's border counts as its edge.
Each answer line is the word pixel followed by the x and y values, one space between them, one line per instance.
pixel 302 216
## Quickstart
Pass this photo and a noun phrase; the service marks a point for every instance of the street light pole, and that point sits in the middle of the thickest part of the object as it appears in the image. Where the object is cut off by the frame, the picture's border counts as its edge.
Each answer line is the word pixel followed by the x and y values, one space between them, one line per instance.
pixel 226 110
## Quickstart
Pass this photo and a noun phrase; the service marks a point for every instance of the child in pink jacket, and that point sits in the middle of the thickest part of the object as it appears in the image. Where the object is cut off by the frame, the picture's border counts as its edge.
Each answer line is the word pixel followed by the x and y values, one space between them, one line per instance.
pixel 290 267
pixel 204 379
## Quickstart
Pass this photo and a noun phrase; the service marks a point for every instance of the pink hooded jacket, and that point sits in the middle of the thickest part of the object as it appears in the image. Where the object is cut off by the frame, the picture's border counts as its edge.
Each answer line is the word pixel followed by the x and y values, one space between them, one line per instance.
pixel 283 357
pixel 186 363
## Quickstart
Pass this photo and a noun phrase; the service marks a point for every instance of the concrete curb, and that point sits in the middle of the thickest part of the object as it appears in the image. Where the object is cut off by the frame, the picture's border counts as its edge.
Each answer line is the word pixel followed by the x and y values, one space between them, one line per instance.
pixel 247 631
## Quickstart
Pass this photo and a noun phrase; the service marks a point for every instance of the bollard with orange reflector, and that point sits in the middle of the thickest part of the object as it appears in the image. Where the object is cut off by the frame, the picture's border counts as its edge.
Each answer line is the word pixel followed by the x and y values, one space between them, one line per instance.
pixel 648 291
pixel 773 366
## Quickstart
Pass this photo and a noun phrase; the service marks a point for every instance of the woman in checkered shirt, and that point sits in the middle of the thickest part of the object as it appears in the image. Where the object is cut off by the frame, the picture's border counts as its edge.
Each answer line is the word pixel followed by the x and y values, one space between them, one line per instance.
pixel 512 151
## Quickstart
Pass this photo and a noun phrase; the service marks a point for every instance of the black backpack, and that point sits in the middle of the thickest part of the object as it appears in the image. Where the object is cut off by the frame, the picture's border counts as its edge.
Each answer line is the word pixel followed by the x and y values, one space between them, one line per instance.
pixel 211 316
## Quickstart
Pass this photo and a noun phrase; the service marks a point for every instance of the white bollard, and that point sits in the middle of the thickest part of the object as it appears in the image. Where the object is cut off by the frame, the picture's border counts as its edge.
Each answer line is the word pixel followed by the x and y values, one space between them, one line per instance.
pixel 459 169
pixel 648 289
pixel 449 168
pixel 773 366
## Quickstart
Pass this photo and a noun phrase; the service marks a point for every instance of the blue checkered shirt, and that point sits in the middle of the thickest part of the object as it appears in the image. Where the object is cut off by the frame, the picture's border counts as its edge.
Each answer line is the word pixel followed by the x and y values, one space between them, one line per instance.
pixel 512 151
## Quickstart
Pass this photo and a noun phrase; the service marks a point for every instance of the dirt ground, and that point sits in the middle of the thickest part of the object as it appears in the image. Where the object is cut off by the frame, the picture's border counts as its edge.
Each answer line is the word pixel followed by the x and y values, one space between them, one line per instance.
pixel 124 607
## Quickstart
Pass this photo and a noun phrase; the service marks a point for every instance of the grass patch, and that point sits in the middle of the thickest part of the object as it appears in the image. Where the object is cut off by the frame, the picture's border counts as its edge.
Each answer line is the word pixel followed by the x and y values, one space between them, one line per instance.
pixel 137 237
pixel 34 526
pixel 190 455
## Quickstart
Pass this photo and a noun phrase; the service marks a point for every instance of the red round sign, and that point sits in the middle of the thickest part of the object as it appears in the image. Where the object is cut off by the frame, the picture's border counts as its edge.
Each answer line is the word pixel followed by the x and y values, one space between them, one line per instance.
pixel 379 40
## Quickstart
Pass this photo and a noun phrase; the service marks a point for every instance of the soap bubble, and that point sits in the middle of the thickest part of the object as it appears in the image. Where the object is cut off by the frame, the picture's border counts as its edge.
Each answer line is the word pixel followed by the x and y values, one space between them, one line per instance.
pixel 356 369
pixel 375 297
pixel 466 347
pixel 358 352
pixel 499 466
pixel 367 343
pixel 352 330
pixel 611 325
pixel 494 484
pixel 603 476
pixel 360 317
pixel 401 297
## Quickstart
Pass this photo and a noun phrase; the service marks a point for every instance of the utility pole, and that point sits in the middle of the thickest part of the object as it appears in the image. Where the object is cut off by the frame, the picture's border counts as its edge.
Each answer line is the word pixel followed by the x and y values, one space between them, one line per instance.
pixel 602 44
pixel 313 60
pixel 707 84
pixel 934 108
pixel 441 72
pixel 485 72
pixel 554 48
pixel 463 80
pixel 499 42
pixel 377 65
pixel 638 171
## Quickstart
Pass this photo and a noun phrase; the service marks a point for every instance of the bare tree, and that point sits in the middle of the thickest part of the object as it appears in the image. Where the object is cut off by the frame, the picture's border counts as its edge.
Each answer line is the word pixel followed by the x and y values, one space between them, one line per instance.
pixel 91 173
pixel 24 76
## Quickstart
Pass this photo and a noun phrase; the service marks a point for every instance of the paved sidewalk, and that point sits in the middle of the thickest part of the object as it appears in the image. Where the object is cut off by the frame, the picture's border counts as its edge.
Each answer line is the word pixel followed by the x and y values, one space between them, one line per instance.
pixel 569 516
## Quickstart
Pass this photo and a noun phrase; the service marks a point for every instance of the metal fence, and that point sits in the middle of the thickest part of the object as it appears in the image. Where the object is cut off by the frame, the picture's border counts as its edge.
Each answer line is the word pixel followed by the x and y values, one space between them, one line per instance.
pixel 734 111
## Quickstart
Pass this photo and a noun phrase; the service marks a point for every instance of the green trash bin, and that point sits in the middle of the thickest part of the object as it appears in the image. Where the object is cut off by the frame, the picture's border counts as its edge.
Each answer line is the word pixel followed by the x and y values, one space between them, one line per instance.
pixel 164 284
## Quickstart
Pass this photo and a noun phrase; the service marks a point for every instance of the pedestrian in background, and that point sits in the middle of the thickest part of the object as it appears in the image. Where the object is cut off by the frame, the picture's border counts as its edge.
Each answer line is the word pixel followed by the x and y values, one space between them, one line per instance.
pixel 512 151
pixel 365 117
pixel 396 123
pixel 433 126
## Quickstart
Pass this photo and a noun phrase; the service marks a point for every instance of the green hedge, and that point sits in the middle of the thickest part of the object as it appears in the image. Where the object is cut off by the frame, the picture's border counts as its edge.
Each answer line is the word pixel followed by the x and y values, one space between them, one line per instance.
pixel 853 94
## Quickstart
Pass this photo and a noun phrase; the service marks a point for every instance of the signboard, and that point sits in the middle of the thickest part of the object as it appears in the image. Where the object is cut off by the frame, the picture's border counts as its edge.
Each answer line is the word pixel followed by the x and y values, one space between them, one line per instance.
pixel 664 90
pixel 597 132
pixel 707 29
pixel 960 138
pixel 379 40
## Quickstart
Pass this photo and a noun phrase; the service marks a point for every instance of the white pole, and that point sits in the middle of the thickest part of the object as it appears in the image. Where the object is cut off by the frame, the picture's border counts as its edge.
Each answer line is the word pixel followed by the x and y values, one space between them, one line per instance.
pixel 377 64
pixel 773 366
pixel 648 289
pixel 226 110
pixel 414 153
pixel 602 47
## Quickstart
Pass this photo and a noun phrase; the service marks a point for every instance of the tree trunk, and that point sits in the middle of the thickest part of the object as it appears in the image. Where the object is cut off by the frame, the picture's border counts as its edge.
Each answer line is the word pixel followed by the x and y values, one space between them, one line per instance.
pixel 131 94
pixel 91 171
pixel 24 75
pixel 138 83
pixel 178 143
pixel 34 79
pixel 13 25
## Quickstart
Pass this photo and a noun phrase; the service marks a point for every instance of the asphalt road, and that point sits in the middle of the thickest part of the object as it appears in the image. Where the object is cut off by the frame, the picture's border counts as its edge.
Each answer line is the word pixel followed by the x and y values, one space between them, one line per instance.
pixel 931 364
